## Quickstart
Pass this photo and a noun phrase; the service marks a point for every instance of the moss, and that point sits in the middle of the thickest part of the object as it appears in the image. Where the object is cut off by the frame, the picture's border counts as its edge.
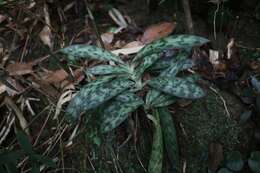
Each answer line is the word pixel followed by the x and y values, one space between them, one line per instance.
pixel 207 121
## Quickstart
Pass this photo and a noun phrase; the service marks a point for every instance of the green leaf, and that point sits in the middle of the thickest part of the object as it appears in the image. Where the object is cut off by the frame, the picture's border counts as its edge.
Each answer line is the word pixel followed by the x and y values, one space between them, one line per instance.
pixel 177 87
pixel 174 42
pixel 254 161
pixel 156 158
pixel 35 168
pixel 224 170
pixel 10 157
pixel 155 98
pixel 24 143
pixel 118 110
pixel 105 70
pixel 94 94
pixel 170 138
pixel 11 168
pixel 76 52
pixel 147 62
pixel 234 161
pixel 44 160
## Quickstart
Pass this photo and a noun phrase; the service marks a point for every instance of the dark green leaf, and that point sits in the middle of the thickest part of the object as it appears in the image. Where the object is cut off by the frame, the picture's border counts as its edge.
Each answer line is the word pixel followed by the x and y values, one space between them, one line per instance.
pixel 24 142
pixel 156 158
pixel 44 160
pixel 254 161
pixel 105 70
pixel 75 52
pixel 93 95
pixel 170 138
pixel 11 168
pixel 117 111
pixel 174 42
pixel 234 161
pixel 10 157
pixel 35 168
pixel 224 170
pixel 177 87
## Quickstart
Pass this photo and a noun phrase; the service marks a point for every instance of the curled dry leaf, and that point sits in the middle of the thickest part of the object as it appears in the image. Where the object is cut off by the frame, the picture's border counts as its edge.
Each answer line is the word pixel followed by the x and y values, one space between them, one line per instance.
pixel 158 31
pixel 64 98
pixel 17 69
pixel 133 44
pixel 46 35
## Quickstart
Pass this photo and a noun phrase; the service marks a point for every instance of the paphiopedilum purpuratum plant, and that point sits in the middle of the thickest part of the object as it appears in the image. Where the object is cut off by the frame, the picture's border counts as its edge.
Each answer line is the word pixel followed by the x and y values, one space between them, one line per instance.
pixel 115 90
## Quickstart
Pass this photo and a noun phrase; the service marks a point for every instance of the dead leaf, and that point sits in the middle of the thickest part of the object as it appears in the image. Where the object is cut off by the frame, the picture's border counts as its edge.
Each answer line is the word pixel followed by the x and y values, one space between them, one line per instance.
pixel 45 36
pixel 158 31
pixel 230 48
pixel 107 37
pixel 133 44
pixel 17 69
pixel 2 18
pixel 215 156
pixel 56 76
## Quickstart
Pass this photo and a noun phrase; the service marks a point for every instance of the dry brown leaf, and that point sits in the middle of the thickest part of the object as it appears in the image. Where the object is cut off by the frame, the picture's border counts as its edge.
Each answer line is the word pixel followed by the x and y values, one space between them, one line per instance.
pixel 158 31
pixel 133 44
pixel 19 68
pixel 107 37
pixel 2 18
pixel 56 76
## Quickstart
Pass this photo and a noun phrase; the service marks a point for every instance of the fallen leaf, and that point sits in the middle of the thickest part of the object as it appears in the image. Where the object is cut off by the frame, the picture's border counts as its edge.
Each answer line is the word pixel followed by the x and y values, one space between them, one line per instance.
pixel 2 18
pixel 17 69
pixel 133 44
pixel 56 76
pixel 158 31
pixel 45 35
pixel 107 37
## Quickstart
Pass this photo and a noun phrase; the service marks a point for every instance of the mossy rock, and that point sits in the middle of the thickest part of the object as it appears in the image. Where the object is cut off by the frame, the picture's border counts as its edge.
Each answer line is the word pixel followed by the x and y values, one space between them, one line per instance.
pixel 206 121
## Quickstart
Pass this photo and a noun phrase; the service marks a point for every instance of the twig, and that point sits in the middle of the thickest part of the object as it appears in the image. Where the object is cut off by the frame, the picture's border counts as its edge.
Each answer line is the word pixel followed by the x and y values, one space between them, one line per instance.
pixel 223 100
pixel 94 24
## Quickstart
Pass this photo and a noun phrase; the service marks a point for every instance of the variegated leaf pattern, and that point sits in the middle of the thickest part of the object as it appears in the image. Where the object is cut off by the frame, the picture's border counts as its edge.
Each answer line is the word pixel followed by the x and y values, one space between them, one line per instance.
pixel 177 87
pixel 147 62
pixel 176 41
pixel 155 98
pixel 76 52
pixel 118 110
pixel 164 64
pixel 156 158
pixel 105 70
pixel 93 95
pixel 170 138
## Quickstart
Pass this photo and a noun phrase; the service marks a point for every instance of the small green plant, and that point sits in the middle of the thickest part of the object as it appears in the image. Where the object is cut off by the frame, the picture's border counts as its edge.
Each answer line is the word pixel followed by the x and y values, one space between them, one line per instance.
pixel 9 159
pixel 120 89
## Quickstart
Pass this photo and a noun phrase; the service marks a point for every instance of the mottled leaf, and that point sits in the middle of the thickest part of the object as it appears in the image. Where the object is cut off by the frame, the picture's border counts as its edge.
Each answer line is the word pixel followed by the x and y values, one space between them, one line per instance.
pixel 76 52
pixel 105 70
pixel 155 98
pixel 118 110
pixel 156 158
pixel 177 87
pixel 254 161
pixel 170 138
pixel 93 95
pixel 147 62
pixel 234 161
pixel 176 41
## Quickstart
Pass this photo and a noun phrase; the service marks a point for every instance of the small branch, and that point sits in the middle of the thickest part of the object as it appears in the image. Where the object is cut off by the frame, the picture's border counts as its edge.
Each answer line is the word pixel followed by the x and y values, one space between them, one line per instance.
pixel 94 24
